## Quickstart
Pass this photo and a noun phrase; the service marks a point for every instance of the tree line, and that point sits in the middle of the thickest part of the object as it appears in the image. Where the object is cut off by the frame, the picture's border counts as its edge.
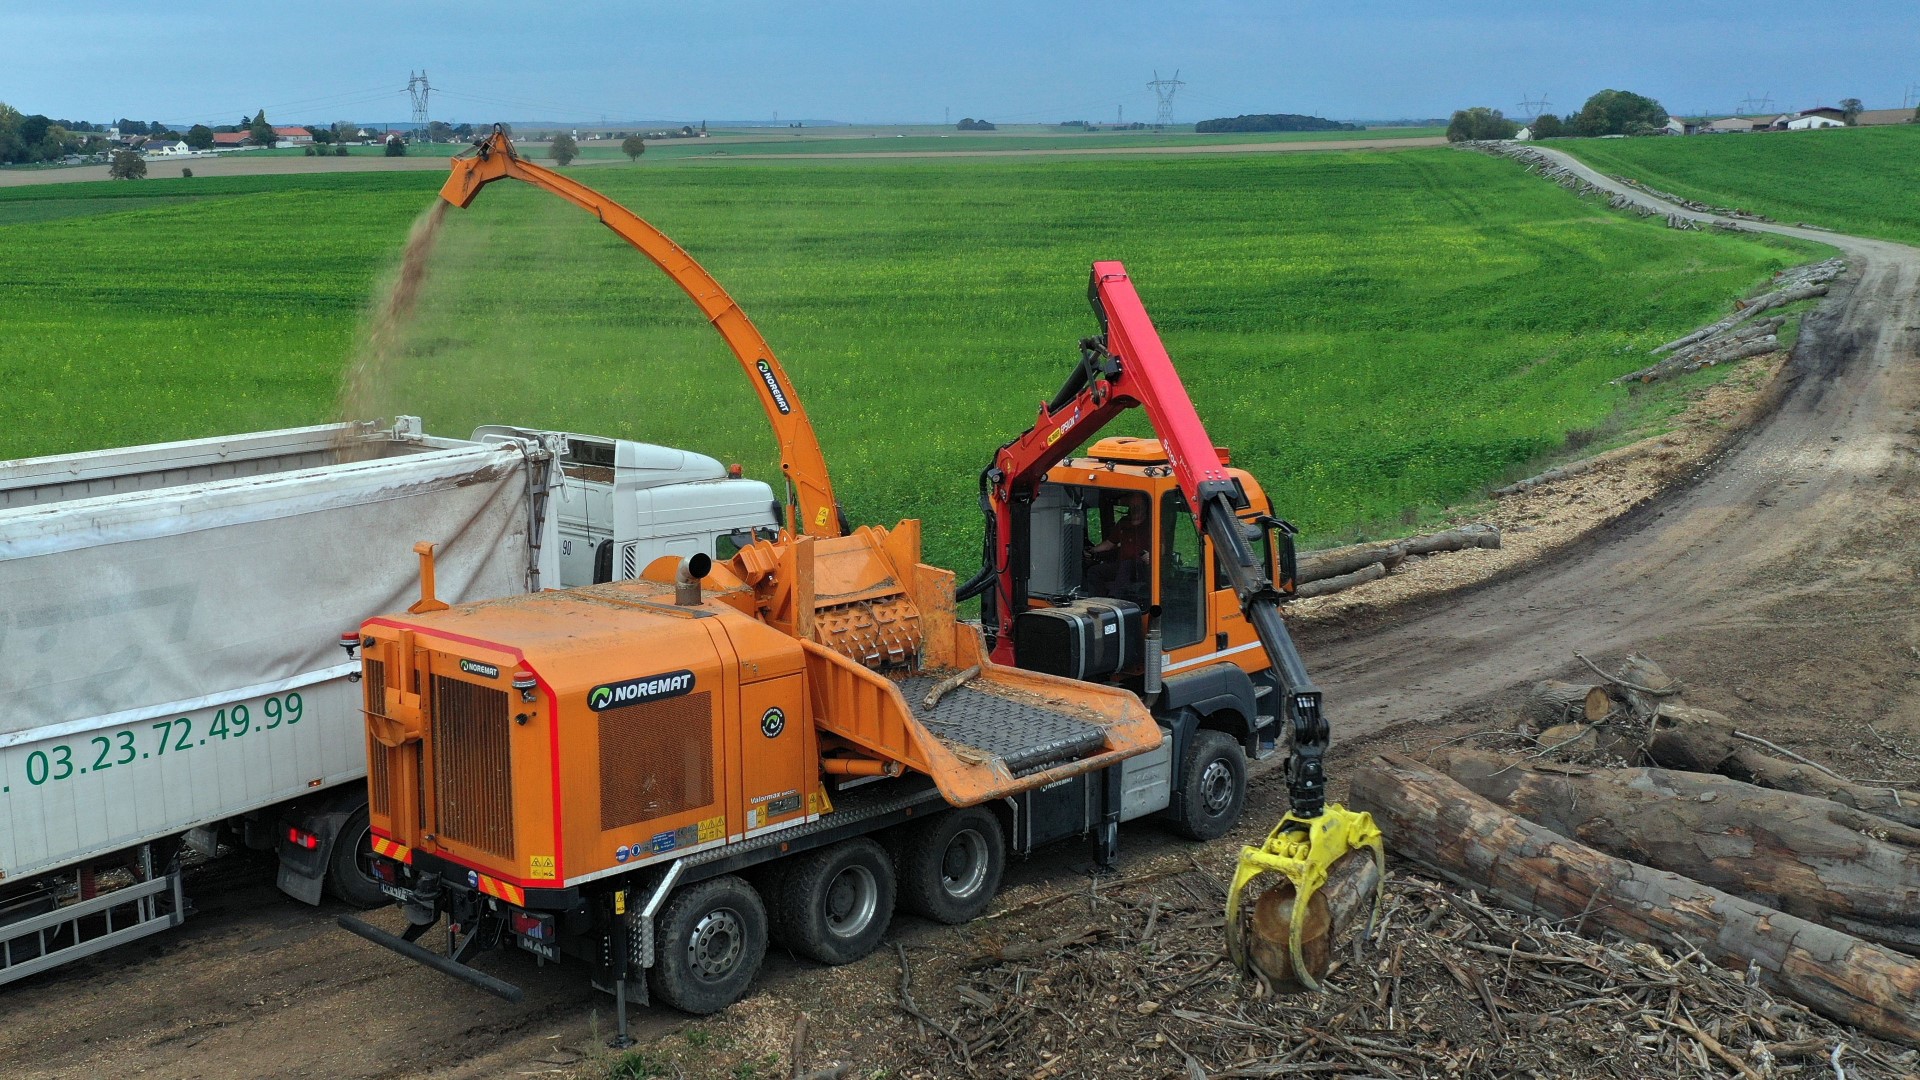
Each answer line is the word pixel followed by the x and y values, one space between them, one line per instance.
pixel 1273 122
pixel 1609 112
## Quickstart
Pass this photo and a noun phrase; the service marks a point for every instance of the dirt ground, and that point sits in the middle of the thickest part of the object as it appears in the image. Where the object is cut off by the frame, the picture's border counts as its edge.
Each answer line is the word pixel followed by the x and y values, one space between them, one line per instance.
pixel 1774 573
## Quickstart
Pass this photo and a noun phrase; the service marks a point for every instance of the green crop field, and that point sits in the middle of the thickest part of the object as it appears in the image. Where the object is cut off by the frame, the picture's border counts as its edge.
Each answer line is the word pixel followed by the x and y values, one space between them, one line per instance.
pixel 1857 180
pixel 1370 333
pixel 734 142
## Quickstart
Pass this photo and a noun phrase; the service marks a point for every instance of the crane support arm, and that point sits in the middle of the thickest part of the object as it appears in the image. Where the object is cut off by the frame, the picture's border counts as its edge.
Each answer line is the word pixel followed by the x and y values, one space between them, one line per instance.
pixel 805 466
pixel 1129 367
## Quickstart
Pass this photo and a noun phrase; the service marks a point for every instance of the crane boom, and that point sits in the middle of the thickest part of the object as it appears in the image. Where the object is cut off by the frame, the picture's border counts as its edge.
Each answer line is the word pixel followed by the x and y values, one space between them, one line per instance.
pixel 1127 367
pixel 805 466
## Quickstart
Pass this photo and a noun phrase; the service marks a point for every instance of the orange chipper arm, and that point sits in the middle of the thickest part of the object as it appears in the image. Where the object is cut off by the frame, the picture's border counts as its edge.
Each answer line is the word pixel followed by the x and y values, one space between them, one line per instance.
pixel 818 514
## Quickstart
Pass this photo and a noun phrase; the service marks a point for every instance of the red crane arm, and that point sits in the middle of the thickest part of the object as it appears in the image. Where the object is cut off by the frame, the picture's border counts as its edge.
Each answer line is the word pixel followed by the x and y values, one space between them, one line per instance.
pixel 1126 367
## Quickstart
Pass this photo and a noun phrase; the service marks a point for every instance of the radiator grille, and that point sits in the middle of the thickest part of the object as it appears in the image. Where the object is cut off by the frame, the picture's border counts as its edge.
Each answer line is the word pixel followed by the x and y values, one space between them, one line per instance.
pixel 379 778
pixel 472 767
pixel 656 759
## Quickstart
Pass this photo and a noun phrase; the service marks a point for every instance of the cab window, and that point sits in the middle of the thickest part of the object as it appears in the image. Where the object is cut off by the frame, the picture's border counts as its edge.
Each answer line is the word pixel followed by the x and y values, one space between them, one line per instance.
pixel 1183 602
pixel 729 544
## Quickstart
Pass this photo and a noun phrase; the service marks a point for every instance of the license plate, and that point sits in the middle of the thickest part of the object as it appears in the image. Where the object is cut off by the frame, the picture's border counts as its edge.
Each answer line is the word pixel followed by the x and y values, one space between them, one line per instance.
pixel 396 892
pixel 540 948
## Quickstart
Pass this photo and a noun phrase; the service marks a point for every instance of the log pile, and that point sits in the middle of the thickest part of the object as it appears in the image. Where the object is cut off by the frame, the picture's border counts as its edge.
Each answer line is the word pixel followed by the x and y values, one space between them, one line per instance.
pixel 1323 573
pixel 1638 815
pixel 1728 340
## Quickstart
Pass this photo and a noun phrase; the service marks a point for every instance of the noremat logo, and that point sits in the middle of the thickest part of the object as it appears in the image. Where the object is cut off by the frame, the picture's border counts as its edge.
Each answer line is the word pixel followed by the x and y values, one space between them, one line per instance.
pixel 773 387
pixel 475 667
pixel 634 691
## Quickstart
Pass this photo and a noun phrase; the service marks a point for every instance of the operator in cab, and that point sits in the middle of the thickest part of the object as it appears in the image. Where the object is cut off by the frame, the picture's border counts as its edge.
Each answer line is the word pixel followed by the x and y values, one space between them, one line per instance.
pixel 1118 564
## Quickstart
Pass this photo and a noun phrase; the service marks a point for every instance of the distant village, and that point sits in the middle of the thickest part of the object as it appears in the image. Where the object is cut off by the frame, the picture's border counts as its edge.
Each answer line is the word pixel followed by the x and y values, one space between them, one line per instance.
pixel 1824 116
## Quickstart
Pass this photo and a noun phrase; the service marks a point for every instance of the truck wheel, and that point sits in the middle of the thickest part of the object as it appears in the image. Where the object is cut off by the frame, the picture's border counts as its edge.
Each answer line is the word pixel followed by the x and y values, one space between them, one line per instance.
pixel 1213 787
pixel 835 904
pixel 950 867
pixel 712 937
pixel 349 869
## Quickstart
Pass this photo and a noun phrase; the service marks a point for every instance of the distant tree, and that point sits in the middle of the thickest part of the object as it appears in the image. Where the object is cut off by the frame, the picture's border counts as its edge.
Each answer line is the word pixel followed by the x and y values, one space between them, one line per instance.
pixel 396 146
pixel 633 146
pixel 439 132
pixel 563 149
pixel 1850 109
pixel 345 131
pixel 131 127
pixel 200 137
pixel 322 136
pixel 1547 126
pixel 1273 122
pixel 33 129
pixel 127 165
pixel 463 131
pixel 259 132
pixel 968 123
pixel 339 149
pixel 186 174
pixel 1615 112
pixel 1478 123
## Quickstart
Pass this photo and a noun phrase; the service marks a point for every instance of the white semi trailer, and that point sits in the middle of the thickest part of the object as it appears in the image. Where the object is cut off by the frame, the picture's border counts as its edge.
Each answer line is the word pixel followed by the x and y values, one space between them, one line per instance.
pixel 171 617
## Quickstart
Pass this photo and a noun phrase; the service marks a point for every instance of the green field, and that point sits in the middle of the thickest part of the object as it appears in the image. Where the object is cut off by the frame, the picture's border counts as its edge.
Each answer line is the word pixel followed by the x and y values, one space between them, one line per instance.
pixel 1857 180
pixel 1371 333
pixel 735 142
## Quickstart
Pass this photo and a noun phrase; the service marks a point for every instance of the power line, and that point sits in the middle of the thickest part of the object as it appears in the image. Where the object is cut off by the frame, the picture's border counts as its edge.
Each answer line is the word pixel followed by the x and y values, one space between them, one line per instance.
pixel 1164 90
pixel 1531 109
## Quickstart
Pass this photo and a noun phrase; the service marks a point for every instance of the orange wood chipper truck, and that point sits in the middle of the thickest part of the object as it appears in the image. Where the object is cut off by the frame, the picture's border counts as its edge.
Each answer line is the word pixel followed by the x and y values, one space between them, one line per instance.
pixel 652 777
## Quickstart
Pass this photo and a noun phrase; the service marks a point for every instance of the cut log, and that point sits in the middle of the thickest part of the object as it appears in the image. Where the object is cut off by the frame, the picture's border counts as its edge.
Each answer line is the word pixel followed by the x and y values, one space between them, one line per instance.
pixel 1477 845
pixel 1701 740
pixel 1805 856
pixel 1345 902
pixel 1338 562
pixel 1748 310
pixel 1575 468
pixel 1371 572
pixel 1319 566
pixel 1557 702
pixel 1460 539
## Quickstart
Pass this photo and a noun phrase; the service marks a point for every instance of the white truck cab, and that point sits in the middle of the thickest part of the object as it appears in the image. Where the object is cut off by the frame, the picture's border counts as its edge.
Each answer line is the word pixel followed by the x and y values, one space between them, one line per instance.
pixel 621 504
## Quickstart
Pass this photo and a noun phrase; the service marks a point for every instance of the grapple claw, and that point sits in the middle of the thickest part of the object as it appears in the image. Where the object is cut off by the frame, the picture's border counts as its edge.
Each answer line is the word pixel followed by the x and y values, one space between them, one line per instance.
pixel 1291 923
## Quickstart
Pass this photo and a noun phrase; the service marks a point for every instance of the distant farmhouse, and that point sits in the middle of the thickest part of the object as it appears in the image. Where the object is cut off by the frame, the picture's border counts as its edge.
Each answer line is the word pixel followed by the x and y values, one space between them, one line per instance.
pixel 1825 116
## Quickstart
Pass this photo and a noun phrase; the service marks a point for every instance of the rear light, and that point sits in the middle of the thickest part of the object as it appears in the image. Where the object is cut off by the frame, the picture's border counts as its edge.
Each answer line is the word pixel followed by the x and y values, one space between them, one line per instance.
pixel 350 641
pixel 524 682
pixel 386 872
pixel 536 927
pixel 301 838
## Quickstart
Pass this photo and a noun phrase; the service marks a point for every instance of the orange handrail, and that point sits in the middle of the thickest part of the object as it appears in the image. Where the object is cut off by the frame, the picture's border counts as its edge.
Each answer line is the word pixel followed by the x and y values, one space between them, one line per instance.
pixel 818 513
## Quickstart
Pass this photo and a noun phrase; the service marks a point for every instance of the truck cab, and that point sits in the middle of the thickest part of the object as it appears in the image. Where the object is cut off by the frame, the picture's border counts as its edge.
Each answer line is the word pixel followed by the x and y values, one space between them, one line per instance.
pixel 621 504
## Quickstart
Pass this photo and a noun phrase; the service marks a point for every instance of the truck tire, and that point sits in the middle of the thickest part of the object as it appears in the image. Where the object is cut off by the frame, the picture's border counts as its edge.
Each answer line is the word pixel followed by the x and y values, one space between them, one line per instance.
pixel 711 940
pixel 348 877
pixel 950 866
pixel 1213 786
pixel 834 905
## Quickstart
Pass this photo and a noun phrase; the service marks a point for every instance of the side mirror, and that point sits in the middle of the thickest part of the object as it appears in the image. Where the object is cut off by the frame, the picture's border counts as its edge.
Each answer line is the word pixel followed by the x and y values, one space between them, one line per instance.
pixel 1283 533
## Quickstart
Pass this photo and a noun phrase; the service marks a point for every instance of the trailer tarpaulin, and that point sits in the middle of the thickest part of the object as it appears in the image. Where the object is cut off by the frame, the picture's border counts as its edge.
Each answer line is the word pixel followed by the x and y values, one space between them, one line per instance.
pixel 151 602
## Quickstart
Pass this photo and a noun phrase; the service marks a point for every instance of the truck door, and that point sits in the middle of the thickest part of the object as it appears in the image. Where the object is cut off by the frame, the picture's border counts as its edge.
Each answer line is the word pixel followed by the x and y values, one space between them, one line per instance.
pixel 779 764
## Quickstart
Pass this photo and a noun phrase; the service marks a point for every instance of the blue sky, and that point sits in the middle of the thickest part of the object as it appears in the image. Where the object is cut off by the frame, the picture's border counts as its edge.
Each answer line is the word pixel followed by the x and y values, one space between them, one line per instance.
pixel 880 62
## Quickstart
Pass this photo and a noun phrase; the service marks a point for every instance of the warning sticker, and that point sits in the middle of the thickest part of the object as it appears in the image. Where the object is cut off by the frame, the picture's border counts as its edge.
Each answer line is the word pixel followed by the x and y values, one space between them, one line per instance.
pixel 540 866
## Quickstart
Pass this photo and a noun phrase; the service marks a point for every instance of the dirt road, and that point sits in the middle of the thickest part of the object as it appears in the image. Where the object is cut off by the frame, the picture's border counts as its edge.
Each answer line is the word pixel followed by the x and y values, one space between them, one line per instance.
pixel 1780 584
